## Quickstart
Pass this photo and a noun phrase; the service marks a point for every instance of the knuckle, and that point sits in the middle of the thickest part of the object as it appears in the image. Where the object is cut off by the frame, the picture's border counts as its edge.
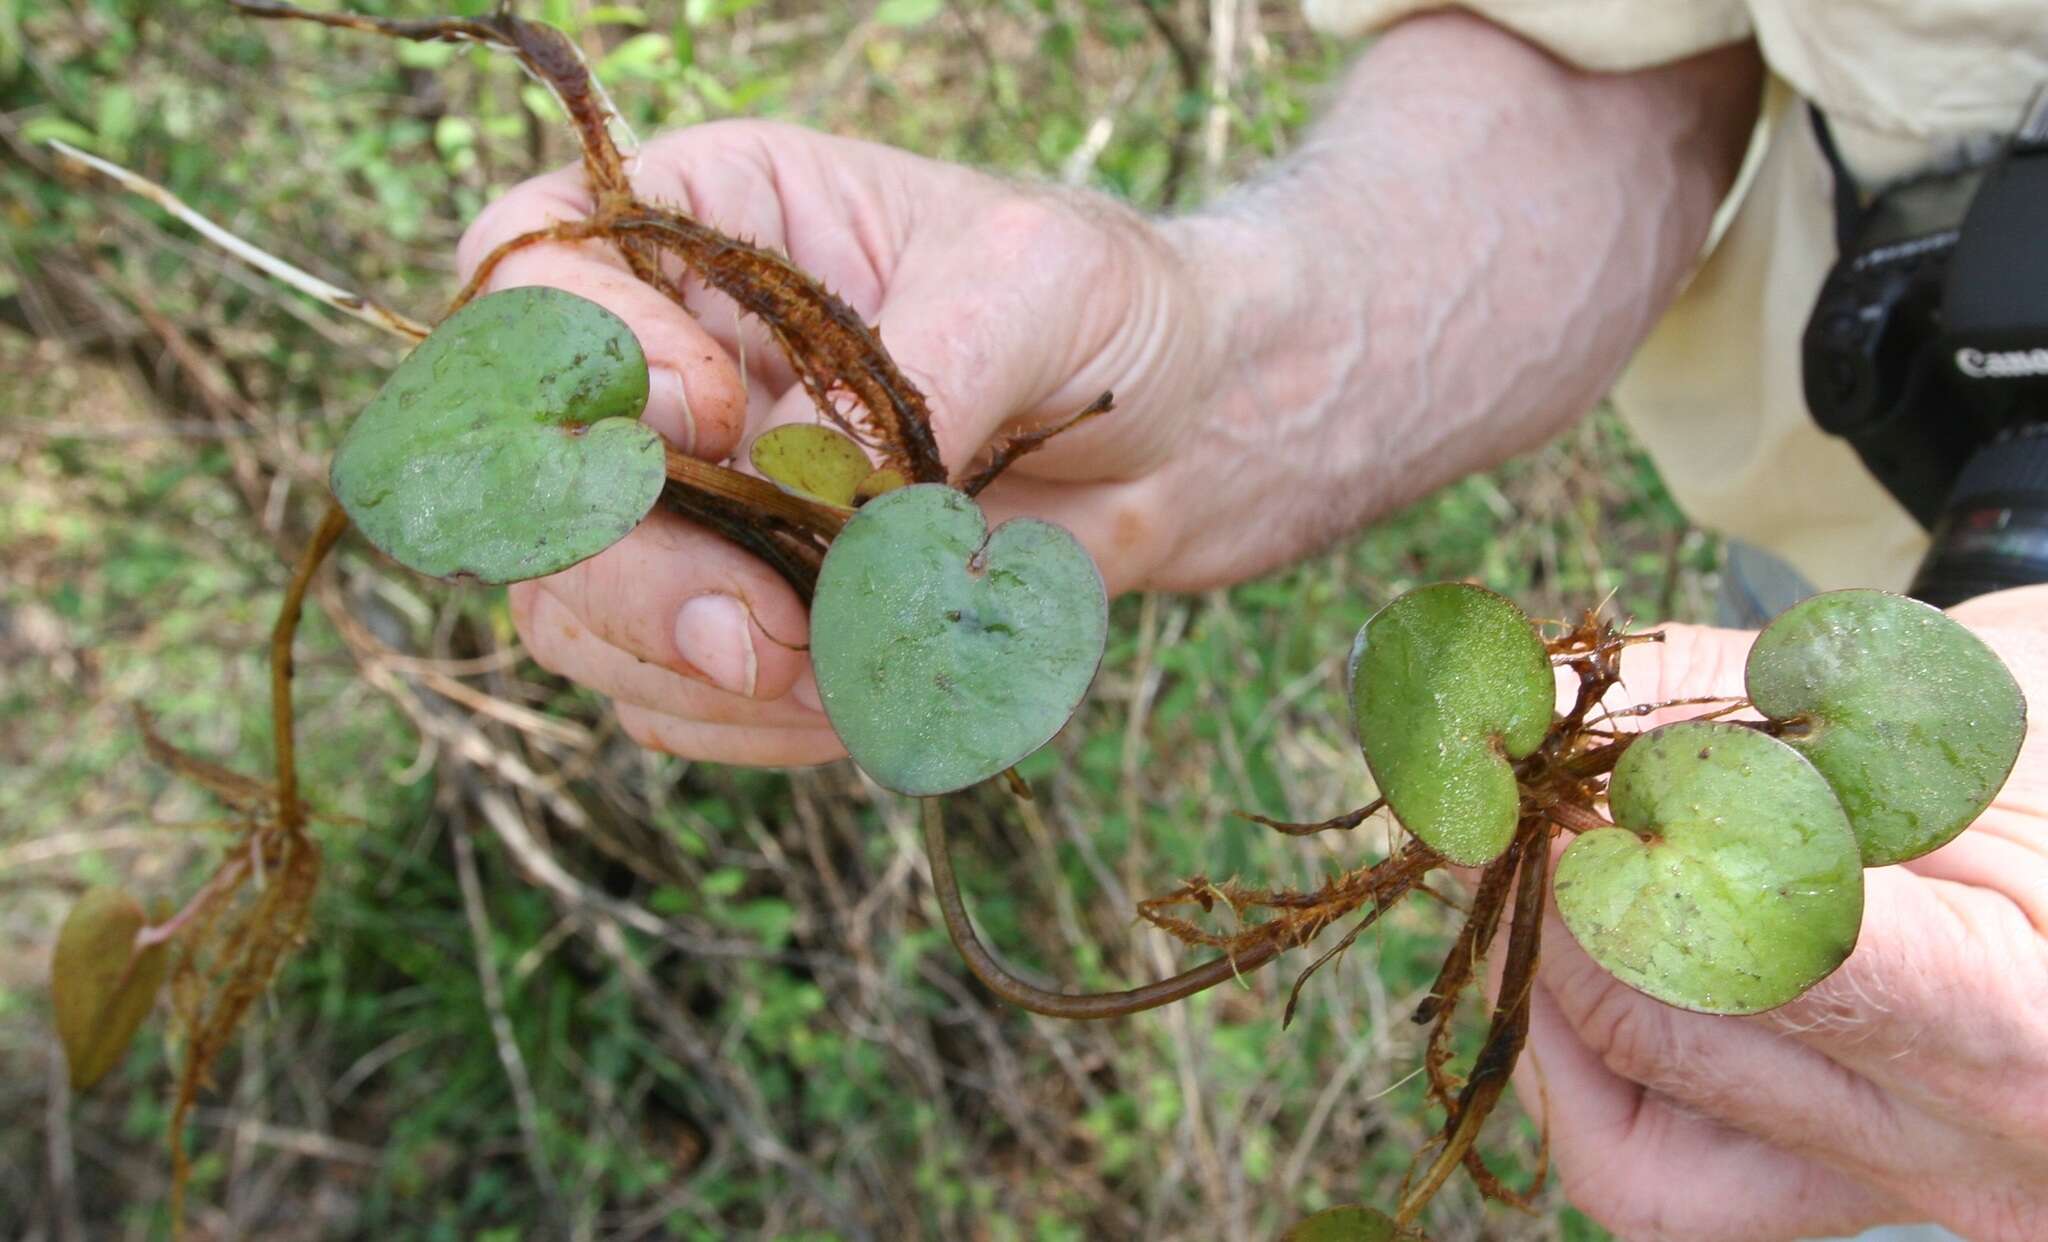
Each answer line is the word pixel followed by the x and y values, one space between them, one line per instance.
pixel 532 205
pixel 1631 1037
pixel 503 219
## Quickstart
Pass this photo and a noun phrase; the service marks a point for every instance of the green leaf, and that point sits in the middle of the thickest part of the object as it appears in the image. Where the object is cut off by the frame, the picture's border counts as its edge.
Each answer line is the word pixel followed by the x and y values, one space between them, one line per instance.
pixel 1343 1224
pixel 945 652
pixel 812 460
pixel 907 12
pixel 1448 684
pixel 48 126
pixel 1912 719
pixel 427 55
pixel 508 445
pixel 638 56
pixel 1732 882
pixel 100 987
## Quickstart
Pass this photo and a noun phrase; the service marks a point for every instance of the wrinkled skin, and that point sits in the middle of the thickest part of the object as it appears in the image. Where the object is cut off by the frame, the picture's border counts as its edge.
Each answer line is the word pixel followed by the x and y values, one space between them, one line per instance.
pixel 1910 1085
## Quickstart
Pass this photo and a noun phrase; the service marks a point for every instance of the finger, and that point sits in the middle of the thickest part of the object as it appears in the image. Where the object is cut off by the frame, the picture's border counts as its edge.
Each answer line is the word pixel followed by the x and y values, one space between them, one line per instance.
pixel 2021 607
pixel 560 643
pixel 680 597
pixel 697 400
pixel 1939 1004
pixel 1888 1015
pixel 1743 1075
pixel 1647 1168
pixel 744 745
pixel 1691 662
pixel 2004 853
pixel 2011 623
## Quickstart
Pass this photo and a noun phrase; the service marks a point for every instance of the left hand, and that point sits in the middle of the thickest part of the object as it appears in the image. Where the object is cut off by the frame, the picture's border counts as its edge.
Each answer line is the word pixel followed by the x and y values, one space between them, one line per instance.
pixel 1910 1085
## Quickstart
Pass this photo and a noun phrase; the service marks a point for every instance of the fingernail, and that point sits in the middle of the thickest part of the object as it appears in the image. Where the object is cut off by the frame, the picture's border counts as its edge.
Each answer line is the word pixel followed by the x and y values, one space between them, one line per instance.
pixel 806 691
pixel 715 634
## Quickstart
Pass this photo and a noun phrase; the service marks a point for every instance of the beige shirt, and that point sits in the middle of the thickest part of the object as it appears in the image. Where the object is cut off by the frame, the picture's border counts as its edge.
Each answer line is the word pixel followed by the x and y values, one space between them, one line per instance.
pixel 1714 394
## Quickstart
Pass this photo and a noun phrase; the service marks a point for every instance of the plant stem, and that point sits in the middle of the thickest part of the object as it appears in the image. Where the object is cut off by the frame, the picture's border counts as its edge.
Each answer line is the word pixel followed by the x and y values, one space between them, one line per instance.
pixel 290 815
pixel 758 496
pixel 1095 1005
pixel 1577 818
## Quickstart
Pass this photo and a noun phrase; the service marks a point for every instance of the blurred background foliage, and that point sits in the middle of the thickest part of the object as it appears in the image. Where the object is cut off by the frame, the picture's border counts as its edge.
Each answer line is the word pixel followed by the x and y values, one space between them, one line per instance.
pixel 723 1004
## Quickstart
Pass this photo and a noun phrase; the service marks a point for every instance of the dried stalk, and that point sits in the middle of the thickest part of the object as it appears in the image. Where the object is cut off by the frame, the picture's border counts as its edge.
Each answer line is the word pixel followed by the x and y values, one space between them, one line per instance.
pixel 355 305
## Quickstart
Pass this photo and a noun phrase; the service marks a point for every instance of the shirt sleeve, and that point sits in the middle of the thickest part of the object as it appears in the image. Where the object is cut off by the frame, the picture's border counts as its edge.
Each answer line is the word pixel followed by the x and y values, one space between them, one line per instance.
pixel 1599 35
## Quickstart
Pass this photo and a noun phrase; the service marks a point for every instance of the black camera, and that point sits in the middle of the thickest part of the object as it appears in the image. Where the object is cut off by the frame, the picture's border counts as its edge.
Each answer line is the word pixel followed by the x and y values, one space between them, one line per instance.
pixel 1928 351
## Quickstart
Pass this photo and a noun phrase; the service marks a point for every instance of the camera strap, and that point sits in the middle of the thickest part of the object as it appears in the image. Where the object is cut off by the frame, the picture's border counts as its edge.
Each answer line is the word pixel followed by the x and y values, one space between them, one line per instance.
pixel 1848 199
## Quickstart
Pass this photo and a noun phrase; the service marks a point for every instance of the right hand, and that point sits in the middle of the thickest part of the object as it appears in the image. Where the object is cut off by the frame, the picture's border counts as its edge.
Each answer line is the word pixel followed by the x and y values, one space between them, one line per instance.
pixel 1909 1085
pixel 1005 304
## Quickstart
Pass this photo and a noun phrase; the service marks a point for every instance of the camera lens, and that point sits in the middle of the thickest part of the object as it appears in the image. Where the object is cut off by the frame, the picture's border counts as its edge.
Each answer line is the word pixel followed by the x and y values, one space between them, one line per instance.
pixel 1994 532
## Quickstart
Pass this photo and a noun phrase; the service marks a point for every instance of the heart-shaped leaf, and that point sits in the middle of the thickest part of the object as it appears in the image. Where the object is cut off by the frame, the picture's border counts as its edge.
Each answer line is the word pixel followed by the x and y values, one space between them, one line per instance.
pixel 1732 883
pixel 101 987
pixel 812 460
pixel 946 652
pixel 1449 684
pixel 1913 720
pixel 508 445
pixel 1343 1224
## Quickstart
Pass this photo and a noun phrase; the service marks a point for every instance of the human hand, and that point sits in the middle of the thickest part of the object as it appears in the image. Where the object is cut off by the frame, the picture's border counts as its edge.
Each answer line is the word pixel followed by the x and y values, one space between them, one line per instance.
pixel 1910 1085
pixel 1006 305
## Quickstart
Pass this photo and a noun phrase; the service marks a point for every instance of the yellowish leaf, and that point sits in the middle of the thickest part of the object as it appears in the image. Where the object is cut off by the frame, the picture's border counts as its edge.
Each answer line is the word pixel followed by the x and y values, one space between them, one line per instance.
pixel 101 986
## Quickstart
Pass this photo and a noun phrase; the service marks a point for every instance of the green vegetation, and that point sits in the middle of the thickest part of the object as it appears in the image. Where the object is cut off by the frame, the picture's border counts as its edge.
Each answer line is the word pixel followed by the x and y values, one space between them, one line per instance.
pixel 556 986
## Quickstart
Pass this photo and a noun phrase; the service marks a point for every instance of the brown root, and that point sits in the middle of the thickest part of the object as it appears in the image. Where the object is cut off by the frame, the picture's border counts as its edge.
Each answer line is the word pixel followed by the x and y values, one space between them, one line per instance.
pixel 1336 823
pixel 1300 916
pixel 236 931
pixel 1505 1035
pixel 1003 454
pixel 828 345
pixel 245 795
pixel 222 970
